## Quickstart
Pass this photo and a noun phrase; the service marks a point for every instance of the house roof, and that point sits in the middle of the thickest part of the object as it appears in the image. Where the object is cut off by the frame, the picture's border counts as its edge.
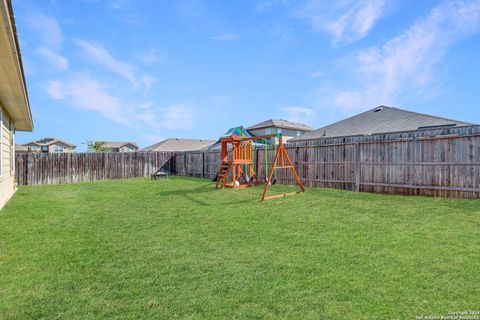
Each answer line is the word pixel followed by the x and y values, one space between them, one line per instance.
pixel 48 142
pixel 280 123
pixel 117 144
pixel 13 89
pixel 381 119
pixel 176 144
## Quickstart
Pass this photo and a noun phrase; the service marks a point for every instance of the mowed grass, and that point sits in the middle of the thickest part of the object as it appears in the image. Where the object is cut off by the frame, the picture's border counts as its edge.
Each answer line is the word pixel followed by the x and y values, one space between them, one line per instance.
pixel 178 248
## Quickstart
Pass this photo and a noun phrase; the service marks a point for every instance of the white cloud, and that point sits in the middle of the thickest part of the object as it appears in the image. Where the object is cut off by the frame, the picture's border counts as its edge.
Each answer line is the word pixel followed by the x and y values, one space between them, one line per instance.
pixel 404 66
pixel 177 116
pixel 46 29
pixel 147 80
pixel 150 58
pixel 267 4
pixel 298 114
pixel 99 55
pixel 344 21
pixel 50 38
pixel 226 36
pixel 88 94
pixel 153 137
pixel 55 60
pixel 317 74
pixel 54 89
pixel 116 5
pixel 148 117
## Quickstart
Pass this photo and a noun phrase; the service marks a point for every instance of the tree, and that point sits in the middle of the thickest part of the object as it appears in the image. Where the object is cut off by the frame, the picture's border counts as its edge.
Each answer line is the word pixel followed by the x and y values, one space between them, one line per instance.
pixel 96 146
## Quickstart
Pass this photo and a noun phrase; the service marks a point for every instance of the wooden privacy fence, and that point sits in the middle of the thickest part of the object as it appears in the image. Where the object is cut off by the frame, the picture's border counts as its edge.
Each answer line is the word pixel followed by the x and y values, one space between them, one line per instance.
pixel 434 166
pixel 61 168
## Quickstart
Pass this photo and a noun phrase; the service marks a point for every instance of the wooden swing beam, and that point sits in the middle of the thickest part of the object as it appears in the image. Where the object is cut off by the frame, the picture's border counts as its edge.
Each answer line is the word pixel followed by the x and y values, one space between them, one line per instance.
pixel 281 155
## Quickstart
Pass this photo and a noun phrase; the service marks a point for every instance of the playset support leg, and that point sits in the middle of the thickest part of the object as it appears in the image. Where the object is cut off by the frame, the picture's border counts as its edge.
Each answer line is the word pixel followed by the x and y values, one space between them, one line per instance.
pixel 283 155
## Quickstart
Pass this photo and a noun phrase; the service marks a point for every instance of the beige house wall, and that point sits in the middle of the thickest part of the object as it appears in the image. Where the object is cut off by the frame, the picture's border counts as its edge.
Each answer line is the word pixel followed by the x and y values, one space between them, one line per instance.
pixel 7 169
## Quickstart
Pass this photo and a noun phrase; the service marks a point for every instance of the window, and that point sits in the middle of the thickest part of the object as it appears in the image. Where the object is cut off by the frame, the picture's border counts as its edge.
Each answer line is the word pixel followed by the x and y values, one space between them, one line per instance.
pixel 268 131
pixel 44 148
pixel 279 130
pixel 299 133
pixel 58 148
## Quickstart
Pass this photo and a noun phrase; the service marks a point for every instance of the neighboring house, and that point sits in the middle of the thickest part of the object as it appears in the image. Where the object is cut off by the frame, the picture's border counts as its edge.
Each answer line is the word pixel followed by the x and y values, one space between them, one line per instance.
pixel 20 148
pixel 50 145
pixel 175 144
pixel 113 146
pixel 381 119
pixel 15 114
pixel 288 129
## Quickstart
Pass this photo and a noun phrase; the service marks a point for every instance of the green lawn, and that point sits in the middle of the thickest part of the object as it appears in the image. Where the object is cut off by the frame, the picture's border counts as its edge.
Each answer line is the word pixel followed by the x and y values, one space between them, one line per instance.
pixel 178 248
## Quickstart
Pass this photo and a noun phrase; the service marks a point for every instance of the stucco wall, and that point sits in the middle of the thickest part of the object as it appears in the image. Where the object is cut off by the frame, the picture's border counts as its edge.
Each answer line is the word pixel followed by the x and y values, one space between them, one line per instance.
pixel 7 175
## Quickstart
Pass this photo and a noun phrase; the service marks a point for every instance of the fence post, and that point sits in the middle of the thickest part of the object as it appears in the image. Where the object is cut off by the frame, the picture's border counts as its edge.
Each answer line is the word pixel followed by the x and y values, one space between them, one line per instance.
pixel 296 159
pixel 203 164
pixel 185 164
pixel 256 164
pixel 25 177
pixel 357 166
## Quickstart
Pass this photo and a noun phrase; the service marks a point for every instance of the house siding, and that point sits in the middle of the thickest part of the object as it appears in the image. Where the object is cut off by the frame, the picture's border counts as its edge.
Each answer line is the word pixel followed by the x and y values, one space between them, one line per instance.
pixel 287 134
pixel 7 175
pixel 51 149
pixel 66 148
pixel 127 149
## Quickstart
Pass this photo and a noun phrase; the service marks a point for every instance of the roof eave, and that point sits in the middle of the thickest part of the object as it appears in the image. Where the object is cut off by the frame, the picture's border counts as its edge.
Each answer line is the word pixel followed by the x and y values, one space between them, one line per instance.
pixel 14 99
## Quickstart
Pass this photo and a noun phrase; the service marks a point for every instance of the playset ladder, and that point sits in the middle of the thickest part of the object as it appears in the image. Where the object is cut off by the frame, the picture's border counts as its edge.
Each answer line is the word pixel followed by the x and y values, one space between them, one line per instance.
pixel 222 174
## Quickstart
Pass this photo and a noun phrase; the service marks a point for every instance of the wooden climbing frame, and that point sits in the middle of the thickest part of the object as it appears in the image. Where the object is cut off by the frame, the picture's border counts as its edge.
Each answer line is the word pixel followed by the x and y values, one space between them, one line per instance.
pixel 237 152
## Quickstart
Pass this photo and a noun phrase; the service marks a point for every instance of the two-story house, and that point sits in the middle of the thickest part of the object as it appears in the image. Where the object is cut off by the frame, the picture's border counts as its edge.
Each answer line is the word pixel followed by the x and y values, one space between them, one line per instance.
pixel 113 146
pixel 50 145
pixel 288 129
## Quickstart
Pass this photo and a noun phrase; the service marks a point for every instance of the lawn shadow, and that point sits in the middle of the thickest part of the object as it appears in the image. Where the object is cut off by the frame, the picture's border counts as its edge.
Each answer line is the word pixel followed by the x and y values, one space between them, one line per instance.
pixel 182 192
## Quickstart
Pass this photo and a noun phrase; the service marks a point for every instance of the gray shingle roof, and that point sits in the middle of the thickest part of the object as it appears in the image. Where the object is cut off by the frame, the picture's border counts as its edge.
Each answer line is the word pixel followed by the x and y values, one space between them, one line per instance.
pixel 115 144
pixel 381 119
pixel 176 144
pixel 279 123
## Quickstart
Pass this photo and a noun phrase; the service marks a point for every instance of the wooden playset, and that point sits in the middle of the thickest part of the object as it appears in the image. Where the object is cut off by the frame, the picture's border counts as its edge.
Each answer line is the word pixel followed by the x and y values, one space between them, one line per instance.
pixel 237 169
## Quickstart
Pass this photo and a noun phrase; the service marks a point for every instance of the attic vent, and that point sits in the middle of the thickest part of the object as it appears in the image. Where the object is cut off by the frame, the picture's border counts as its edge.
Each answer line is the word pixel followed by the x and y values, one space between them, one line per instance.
pixel 378 109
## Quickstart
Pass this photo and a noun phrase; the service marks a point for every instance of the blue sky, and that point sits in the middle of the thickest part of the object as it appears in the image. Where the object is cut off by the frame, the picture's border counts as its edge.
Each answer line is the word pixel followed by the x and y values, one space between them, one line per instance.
pixel 147 70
